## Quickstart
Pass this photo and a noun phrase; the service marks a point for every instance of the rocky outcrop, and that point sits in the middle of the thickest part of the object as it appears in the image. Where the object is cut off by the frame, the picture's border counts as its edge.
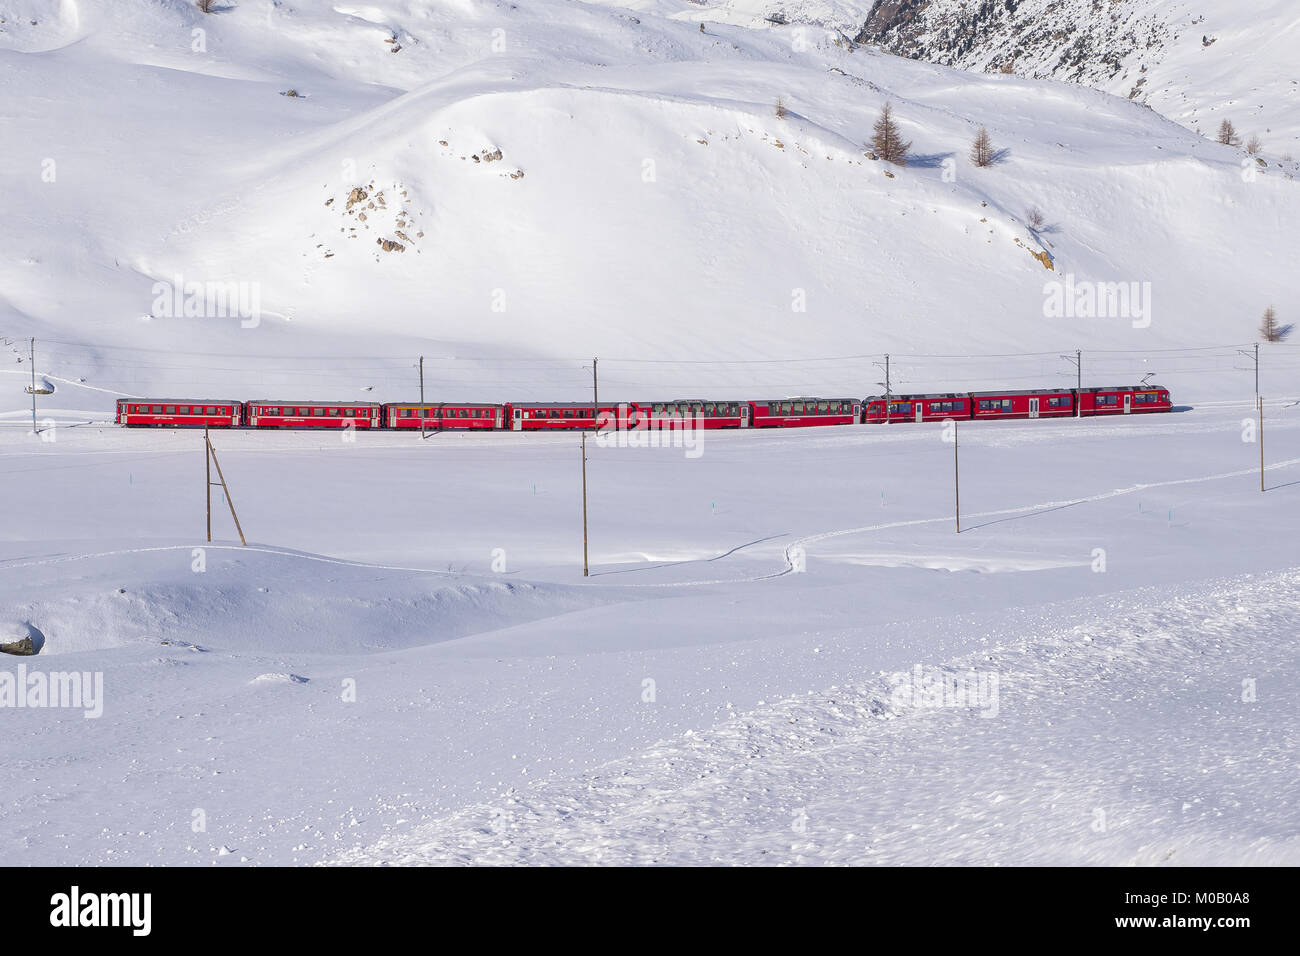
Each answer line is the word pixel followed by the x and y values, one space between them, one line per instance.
pixel 1076 40
pixel 20 648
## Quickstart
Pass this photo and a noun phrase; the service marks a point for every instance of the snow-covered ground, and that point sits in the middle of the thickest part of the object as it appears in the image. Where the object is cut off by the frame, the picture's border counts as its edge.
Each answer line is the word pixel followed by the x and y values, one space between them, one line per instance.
pixel 406 664
pixel 506 715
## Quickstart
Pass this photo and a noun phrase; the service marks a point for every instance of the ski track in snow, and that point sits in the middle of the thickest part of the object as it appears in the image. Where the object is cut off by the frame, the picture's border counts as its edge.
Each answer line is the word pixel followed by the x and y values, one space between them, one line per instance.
pixel 1091 758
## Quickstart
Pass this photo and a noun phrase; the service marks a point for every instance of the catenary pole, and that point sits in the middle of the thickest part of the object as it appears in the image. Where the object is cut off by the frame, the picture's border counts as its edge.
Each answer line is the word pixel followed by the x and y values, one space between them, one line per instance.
pixel 956 477
pixel 207 478
pixel 585 570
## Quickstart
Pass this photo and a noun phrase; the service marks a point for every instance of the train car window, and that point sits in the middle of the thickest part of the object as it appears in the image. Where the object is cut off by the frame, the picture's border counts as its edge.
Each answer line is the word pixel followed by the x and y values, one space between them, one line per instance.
pixel 318 412
pixel 332 412
pixel 171 409
pixel 211 410
pixel 823 406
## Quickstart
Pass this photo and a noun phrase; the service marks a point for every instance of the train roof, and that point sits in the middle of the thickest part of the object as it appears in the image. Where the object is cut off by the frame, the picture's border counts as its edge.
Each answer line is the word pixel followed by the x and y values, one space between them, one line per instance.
pixel 910 397
pixel 299 403
pixel 446 404
pixel 1125 388
pixel 805 398
pixel 183 401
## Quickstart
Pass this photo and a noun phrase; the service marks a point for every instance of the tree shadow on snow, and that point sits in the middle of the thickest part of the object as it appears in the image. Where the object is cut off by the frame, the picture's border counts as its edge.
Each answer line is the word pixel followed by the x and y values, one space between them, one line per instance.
pixel 928 160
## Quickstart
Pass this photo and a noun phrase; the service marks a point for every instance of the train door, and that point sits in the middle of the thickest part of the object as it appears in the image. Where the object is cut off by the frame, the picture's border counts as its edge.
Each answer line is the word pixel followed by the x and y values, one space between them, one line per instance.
pixel 744 414
pixel 920 411
pixel 517 419
pixel 1033 408
pixel 1128 404
pixel 496 418
pixel 857 413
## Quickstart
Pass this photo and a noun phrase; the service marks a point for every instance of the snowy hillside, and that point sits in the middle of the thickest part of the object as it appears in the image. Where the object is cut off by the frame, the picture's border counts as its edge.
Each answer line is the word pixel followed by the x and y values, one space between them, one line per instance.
pixel 646 203
pixel 406 662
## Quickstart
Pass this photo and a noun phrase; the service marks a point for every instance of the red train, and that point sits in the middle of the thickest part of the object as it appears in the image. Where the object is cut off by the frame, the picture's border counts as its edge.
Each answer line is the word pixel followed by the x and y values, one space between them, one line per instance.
pixel 682 413
pixel 1027 403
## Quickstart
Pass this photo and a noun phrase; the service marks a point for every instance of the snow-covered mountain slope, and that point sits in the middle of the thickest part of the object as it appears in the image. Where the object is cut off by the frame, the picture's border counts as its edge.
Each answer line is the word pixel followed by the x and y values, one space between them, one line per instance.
pixel 407 662
pixel 560 180
pixel 1197 63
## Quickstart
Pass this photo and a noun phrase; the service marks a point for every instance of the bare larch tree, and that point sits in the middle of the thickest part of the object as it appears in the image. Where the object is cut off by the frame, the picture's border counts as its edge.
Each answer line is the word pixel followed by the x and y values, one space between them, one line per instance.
pixel 887 140
pixel 981 150
pixel 1228 134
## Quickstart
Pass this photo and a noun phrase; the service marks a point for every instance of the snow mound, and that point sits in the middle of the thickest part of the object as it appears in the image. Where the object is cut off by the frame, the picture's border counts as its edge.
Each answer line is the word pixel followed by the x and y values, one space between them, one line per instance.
pixel 279 679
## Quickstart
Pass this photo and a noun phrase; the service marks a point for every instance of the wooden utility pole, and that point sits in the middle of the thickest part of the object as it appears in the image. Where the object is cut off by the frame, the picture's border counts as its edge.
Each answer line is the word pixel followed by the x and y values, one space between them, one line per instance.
pixel 1078 368
pixel 33 360
pixel 207 477
pixel 1078 395
pixel 585 570
pixel 956 477
pixel 1259 404
pixel 885 383
pixel 595 392
pixel 422 397
pixel 212 454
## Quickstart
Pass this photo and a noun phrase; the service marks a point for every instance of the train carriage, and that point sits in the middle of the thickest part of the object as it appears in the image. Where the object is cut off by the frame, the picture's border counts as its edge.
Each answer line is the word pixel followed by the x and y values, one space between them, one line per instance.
pixel 279 414
pixel 916 408
pixel 1124 400
pixel 179 412
pixel 797 412
pixel 444 416
pixel 1025 403
pixel 560 416
pixel 685 413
